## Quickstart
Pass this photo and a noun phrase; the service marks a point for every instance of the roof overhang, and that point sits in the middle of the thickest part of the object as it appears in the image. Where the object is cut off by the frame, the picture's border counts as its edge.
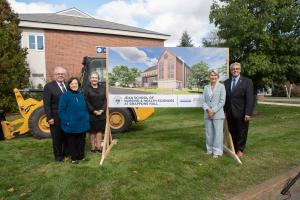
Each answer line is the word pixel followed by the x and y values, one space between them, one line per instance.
pixel 39 25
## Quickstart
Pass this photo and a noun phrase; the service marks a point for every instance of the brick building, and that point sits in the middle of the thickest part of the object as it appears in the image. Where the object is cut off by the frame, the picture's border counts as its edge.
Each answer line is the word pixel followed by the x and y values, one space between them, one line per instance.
pixel 171 72
pixel 65 37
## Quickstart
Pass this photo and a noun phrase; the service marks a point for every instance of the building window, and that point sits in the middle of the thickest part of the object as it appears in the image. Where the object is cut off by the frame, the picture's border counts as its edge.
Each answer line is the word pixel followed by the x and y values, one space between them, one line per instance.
pixel 171 69
pixel 161 70
pixel 36 42
pixel 31 42
pixel 40 42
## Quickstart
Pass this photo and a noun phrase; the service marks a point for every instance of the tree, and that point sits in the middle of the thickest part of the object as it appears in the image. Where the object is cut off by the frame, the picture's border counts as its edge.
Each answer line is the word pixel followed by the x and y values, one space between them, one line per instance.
pixel 185 40
pixel 13 67
pixel 198 75
pixel 123 75
pixel 264 36
pixel 212 39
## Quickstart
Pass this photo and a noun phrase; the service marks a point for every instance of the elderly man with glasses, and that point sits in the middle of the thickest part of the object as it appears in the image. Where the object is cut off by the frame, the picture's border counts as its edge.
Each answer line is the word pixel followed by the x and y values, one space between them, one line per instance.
pixel 238 107
pixel 52 92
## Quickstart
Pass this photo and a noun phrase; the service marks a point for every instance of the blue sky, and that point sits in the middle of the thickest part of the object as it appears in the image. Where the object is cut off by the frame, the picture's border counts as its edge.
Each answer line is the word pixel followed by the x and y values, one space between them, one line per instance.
pixel 170 17
pixel 142 58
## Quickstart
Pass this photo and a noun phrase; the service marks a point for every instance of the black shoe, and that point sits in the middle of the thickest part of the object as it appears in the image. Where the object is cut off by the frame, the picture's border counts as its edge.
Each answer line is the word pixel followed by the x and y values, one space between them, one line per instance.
pixel 93 151
pixel 99 150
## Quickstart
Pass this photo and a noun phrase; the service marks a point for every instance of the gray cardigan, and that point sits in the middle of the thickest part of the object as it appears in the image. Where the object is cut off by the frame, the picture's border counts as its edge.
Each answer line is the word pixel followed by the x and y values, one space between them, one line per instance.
pixel 214 100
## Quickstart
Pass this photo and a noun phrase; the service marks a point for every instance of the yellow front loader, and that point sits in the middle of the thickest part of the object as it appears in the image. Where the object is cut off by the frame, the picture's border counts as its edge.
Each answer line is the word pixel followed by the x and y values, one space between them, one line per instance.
pixel 33 118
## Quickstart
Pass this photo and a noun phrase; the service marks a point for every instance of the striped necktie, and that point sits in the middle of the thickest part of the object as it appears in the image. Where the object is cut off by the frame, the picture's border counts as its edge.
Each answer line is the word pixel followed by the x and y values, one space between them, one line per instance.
pixel 63 87
pixel 233 84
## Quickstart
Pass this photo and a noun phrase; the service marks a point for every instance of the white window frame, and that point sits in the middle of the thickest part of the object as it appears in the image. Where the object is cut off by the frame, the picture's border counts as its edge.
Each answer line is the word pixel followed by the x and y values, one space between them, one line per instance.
pixel 36 42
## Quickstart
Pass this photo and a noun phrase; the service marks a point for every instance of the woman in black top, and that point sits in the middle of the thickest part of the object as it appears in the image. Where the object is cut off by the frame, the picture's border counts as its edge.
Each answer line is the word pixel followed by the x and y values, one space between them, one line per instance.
pixel 95 95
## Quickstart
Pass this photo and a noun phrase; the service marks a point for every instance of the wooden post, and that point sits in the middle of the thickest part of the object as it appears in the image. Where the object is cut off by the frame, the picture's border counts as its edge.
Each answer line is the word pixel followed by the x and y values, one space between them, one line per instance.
pixel 228 146
pixel 108 141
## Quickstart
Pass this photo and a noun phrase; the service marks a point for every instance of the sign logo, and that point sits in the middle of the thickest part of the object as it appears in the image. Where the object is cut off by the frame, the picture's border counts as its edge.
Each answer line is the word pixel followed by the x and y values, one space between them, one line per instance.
pixel 100 49
pixel 118 100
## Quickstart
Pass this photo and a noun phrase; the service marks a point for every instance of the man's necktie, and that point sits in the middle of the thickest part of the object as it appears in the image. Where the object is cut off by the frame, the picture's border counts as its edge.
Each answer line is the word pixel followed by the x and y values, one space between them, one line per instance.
pixel 233 84
pixel 63 87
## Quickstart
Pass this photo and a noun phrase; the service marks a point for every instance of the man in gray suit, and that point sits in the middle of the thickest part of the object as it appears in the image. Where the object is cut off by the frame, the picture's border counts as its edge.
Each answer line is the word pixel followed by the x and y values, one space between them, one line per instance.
pixel 238 106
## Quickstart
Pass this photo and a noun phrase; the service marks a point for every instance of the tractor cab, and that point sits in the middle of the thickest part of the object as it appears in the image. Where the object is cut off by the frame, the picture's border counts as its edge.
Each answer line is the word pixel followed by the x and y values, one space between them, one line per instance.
pixel 91 65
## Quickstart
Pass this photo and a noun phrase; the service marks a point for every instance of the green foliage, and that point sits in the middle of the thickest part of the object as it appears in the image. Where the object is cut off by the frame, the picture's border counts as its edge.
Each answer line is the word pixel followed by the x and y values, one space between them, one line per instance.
pixel 123 75
pixel 264 36
pixel 13 70
pixel 185 40
pixel 198 75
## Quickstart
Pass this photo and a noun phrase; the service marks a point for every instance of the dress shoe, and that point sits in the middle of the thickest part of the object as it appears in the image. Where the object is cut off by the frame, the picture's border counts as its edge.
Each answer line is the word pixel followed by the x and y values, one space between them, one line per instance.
pixel 99 150
pixel 93 151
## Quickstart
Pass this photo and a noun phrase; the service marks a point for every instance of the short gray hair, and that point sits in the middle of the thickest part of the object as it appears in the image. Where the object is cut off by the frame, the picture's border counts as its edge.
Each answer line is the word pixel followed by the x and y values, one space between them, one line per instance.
pixel 59 68
pixel 94 73
pixel 235 63
pixel 213 71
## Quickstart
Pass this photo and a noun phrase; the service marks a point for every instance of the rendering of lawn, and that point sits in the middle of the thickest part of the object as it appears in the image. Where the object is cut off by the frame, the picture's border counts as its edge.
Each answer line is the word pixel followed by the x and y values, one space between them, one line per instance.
pixel 161 158
pixel 168 91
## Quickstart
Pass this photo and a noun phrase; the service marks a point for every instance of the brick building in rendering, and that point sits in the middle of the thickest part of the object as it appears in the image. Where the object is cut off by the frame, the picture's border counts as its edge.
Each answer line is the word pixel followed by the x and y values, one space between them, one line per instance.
pixel 64 38
pixel 171 72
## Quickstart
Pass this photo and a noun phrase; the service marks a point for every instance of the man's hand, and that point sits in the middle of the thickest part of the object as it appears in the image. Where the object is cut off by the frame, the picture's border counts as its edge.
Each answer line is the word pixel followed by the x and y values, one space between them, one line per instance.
pixel 247 118
pixel 51 121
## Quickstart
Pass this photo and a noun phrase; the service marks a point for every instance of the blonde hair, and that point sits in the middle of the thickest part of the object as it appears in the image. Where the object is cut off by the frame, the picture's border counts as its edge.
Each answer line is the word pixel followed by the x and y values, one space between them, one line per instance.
pixel 213 71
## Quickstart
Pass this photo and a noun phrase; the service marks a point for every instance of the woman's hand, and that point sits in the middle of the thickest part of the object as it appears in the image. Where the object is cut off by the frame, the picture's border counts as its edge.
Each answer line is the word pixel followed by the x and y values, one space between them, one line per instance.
pixel 98 112
pixel 210 112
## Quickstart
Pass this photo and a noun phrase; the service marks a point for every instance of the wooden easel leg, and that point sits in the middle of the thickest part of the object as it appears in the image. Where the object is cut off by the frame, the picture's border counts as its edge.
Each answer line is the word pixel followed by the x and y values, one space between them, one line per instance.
pixel 228 146
pixel 108 143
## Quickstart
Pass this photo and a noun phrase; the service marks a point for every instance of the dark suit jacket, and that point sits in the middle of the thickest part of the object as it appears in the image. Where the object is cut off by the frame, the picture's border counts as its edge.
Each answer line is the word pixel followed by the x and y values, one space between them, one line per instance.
pixel 51 95
pixel 240 101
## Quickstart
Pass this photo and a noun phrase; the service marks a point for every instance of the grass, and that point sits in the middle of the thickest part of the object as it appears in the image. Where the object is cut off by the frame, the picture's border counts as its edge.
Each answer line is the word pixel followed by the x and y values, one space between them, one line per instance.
pixel 168 91
pixel 162 158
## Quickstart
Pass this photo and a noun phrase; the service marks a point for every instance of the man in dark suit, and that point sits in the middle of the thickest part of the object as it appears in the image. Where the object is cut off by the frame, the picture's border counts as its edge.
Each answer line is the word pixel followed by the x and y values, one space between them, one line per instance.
pixel 238 107
pixel 51 95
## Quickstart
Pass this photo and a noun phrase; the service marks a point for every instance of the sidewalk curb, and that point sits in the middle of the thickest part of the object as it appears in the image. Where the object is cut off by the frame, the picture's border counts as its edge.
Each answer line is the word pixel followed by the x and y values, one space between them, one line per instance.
pixel 278 104
pixel 271 188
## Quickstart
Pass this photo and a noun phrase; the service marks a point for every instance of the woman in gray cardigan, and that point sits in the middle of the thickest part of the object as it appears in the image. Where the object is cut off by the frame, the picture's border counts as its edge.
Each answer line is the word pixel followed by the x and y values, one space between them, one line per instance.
pixel 213 101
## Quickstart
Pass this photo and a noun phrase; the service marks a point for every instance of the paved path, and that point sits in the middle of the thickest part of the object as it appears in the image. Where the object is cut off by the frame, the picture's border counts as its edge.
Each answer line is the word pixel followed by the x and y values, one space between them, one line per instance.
pixel 271 189
pixel 278 104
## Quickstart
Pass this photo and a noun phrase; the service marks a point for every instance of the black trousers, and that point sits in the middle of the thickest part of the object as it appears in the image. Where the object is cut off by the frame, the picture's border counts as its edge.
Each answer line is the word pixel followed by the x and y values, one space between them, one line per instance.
pixel 239 132
pixel 59 142
pixel 76 144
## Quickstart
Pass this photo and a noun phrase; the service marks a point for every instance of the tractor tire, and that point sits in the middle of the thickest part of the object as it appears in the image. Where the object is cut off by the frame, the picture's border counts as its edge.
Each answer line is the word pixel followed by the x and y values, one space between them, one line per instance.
pixel 120 119
pixel 38 124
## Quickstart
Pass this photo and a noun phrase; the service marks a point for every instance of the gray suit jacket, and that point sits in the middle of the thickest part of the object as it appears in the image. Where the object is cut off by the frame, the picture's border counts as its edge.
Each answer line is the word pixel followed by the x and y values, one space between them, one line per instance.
pixel 215 100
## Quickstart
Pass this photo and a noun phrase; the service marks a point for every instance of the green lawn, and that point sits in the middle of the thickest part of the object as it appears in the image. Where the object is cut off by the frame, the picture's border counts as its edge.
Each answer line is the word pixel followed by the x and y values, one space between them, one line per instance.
pixel 163 158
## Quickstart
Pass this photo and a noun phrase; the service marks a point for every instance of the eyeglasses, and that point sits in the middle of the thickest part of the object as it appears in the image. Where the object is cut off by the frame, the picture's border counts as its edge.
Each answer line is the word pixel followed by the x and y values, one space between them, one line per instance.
pixel 235 69
pixel 60 74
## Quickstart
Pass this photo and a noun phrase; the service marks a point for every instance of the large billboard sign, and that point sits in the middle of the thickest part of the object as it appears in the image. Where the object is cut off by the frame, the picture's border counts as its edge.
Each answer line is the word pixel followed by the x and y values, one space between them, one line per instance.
pixel 162 76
